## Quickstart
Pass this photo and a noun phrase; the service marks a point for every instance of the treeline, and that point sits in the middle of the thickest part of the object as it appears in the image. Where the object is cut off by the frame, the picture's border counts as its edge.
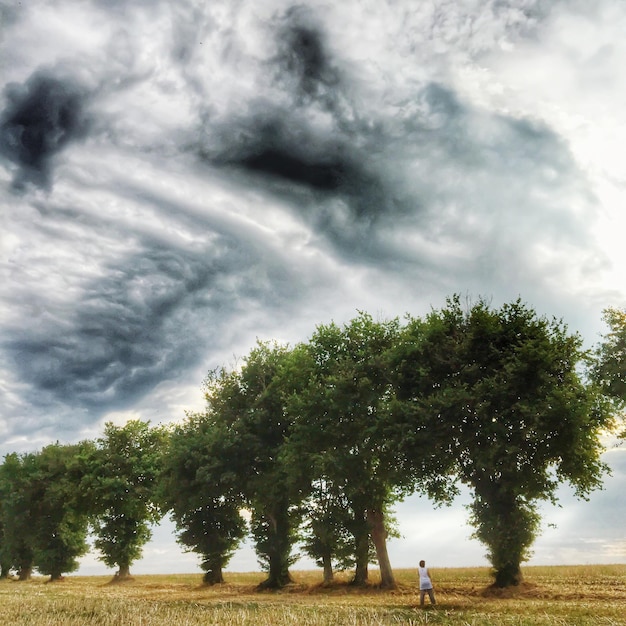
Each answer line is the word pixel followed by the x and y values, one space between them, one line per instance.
pixel 309 447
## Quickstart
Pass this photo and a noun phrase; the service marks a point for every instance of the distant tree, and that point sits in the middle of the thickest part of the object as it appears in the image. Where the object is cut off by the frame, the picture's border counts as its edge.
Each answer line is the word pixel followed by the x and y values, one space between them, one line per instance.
pixel 203 493
pixel 45 526
pixel 325 535
pixel 119 487
pixel 500 393
pixel 339 431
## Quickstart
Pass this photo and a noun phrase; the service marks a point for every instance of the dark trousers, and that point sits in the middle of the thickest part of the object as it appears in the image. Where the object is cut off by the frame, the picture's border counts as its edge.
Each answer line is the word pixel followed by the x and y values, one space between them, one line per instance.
pixel 431 595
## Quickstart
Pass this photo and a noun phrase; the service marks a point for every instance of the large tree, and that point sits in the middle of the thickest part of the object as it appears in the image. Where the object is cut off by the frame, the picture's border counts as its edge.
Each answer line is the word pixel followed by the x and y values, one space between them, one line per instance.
pixel 120 487
pixel 500 393
pixel 203 493
pixel 339 433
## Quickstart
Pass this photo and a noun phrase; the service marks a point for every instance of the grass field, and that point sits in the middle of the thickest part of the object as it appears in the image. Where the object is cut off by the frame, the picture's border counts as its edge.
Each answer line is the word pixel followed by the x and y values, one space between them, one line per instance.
pixel 550 595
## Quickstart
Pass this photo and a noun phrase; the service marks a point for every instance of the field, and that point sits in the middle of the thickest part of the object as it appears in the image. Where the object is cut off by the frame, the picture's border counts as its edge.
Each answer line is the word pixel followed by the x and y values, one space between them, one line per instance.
pixel 550 595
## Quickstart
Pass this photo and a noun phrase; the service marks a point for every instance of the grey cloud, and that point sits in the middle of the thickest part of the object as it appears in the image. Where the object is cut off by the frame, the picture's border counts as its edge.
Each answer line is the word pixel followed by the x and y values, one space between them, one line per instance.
pixel 359 168
pixel 148 319
pixel 40 118
pixel 303 55
pixel 357 181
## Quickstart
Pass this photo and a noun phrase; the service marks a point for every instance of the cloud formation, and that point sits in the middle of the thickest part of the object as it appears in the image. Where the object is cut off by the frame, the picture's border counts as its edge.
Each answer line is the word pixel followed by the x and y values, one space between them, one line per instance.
pixel 188 165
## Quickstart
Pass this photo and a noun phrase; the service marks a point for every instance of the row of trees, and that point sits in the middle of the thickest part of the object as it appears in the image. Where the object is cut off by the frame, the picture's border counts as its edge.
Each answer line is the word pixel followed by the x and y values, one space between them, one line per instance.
pixel 311 446
pixel 51 499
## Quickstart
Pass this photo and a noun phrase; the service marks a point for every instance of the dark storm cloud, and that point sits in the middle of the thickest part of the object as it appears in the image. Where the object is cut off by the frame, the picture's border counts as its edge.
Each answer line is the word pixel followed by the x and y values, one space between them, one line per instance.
pixel 148 319
pixel 41 116
pixel 303 56
pixel 287 150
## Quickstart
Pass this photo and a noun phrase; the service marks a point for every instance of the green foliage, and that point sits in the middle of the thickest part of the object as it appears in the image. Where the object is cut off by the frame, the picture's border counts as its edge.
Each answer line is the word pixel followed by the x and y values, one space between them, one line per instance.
pixel 120 488
pixel 325 535
pixel 499 392
pixel 17 520
pixel 334 432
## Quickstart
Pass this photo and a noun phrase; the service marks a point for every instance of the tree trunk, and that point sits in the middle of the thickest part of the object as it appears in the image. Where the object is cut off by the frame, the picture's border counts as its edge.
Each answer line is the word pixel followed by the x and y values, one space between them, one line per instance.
pixel 509 575
pixel 4 570
pixel 508 526
pixel 123 574
pixel 361 573
pixel 213 574
pixel 376 521
pixel 25 572
pixel 56 577
pixel 278 551
pixel 329 575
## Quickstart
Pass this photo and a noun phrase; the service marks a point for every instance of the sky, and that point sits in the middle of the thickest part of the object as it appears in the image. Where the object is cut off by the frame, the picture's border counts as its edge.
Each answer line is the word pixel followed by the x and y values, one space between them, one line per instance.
pixel 178 179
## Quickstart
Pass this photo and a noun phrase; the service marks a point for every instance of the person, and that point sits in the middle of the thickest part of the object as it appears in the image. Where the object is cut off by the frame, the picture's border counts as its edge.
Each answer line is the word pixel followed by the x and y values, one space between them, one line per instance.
pixel 426 585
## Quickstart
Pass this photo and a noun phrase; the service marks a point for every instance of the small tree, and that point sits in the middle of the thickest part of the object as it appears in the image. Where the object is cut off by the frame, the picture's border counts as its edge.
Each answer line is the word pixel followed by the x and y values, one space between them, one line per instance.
pixel 325 535
pixel 120 487
pixel 499 392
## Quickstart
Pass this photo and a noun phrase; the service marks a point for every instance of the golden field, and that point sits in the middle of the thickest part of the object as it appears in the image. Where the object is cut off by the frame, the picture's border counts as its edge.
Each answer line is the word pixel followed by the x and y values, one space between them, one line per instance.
pixel 550 595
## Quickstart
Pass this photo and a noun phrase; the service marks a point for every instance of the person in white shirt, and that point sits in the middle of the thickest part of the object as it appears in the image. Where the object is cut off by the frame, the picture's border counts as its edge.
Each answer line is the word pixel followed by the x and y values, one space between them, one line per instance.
pixel 426 585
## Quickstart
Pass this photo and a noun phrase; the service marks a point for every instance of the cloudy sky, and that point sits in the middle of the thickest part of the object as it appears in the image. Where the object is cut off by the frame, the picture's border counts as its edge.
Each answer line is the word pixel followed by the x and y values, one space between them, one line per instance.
pixel 180 178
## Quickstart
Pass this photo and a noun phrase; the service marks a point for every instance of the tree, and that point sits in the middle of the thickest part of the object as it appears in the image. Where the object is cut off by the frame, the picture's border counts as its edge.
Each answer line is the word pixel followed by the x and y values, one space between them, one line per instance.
pixel 45 526
pixel 609 367
pixel 5 558
pixel 202 492
pixel 339 430
pixel 325 536
pixel 249 406
pixel 120 486
pixel 500 394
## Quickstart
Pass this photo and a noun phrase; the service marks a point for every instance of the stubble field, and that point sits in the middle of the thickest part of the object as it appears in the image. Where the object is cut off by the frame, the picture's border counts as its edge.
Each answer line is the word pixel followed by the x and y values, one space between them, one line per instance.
pixel 549 596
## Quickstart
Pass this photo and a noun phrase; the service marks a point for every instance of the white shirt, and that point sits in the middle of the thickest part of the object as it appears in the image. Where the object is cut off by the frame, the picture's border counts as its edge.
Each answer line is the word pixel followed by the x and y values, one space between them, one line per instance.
pixel 425 582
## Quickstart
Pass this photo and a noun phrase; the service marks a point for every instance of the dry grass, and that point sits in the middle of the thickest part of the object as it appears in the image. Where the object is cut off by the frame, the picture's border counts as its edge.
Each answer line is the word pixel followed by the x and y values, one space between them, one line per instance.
pixel 550 596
